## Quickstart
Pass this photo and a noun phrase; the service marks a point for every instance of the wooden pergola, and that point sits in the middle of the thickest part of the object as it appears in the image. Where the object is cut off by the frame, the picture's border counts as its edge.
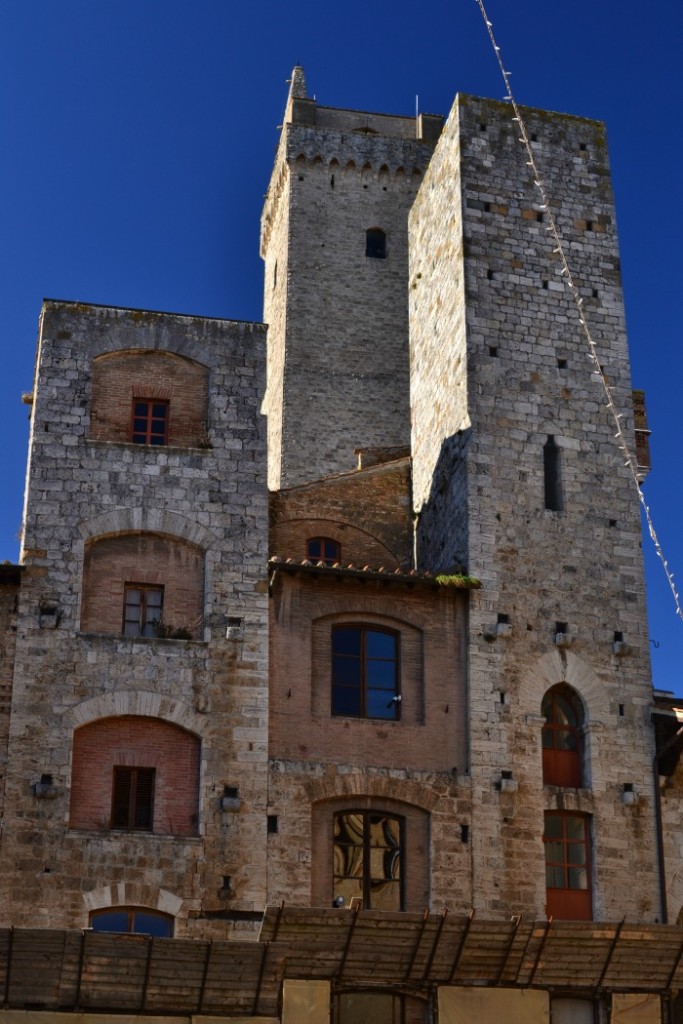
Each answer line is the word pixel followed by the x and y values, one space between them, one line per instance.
pixel 86 971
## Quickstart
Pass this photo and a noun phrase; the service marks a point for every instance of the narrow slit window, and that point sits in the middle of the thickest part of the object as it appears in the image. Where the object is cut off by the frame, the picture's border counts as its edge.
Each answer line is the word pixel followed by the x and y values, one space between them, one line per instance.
pixel 552 475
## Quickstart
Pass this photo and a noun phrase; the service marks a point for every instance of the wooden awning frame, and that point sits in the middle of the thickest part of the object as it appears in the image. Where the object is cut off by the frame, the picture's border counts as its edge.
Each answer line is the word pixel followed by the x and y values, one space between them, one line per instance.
pixel 352 949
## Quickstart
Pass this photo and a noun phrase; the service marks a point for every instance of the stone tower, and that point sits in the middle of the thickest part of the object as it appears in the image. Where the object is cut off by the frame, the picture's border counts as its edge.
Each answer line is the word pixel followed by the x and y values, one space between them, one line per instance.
pixel 335 244
pixel 518 477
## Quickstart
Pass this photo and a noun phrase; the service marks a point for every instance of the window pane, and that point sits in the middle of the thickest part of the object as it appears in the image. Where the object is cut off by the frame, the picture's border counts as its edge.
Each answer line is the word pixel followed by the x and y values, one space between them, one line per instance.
pixel 111 921
pixel 346 671
pixel 331 550
pixel 380 704
pixel 314 550
pixel 575 828
pixel 140 409
pixel 152 924
pixel 554 877
pixel 577 878
pixel 554 853
pixel 346 701
pixel 380 645
pixel 362 1007
pixel 159 411
pixel 346 640
pixel 576 853
pixel 381 675
pixel 553 826
pixel 348 888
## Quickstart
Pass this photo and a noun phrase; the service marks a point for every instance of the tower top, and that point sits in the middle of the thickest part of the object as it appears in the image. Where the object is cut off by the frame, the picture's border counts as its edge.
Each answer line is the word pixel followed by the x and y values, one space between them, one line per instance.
pixel 297 84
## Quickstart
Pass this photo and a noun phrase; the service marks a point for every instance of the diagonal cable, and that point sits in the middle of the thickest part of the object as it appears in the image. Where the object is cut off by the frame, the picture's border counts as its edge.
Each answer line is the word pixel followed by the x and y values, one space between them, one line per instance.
pixel 630 460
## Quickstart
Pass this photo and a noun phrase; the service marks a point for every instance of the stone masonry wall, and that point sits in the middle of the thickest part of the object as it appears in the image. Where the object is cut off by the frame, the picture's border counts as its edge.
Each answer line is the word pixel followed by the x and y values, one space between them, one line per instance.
pixel 500 364
pixel 338 320
pixel 212 499
pixel 9 601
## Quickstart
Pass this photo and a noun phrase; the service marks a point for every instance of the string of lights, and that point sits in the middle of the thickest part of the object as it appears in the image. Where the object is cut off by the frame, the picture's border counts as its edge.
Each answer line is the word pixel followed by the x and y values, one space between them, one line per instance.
pixel 559 251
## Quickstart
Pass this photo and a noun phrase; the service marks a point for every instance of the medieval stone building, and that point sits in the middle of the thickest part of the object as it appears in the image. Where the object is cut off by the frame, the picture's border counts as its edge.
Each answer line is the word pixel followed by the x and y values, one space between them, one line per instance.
pixel 327 653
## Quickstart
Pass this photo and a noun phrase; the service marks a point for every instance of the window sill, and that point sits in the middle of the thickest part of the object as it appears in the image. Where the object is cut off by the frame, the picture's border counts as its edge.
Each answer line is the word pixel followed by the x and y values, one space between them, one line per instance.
pixel 81 832
pixel 163 641
pixel 157 449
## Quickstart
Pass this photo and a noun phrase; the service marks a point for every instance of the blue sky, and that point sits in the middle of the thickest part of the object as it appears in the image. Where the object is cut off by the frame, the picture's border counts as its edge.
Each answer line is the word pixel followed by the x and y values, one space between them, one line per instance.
pixel 138 136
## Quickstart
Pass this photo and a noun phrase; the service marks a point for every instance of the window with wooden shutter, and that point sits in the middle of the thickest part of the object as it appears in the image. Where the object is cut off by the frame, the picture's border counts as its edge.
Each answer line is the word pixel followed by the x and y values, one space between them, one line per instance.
pixel 132 798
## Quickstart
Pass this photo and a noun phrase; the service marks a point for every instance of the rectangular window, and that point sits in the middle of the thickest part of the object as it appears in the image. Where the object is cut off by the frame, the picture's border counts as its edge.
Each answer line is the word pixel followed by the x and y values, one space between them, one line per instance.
pixel 142 609
pixel 150 421
pixel 365 673
pixel 368 859
pixel 567 866
pixel 132 801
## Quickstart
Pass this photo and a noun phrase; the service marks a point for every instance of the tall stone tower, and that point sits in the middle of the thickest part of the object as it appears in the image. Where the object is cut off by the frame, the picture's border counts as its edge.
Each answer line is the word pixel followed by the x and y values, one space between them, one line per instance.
pixel 518 477
pixel 334 240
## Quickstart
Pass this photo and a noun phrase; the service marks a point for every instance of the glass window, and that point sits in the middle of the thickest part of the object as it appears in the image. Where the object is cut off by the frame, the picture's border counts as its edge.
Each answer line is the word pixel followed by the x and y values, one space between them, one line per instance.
pixel 150 421
pixel 365 678
pixel 567 866
pixel 323 549
pixel 562 735
pixel 142 610
pixel 368 859
pixel 361 1007
pixel 132 802
pixel 132 919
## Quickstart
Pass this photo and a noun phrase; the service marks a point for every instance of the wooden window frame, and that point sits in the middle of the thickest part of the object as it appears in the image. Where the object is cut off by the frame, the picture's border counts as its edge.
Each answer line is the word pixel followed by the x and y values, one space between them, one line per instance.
pixel 569 902
pixel 134 787
pixel 330 550
pixel 146 624
pixel 131 914
pixel 367 860
pixel 363 660
pixel 562 766
pixel 339 1016
pixel 149 435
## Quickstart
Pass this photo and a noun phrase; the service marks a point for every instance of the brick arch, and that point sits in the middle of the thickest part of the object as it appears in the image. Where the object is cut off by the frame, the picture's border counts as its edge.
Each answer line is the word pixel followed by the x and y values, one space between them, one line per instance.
pixel 157 337
pixel 140 703
pixel 346 788
pixel 135 894
pixel 147 520
pixel 358 546
pixel 127 762
pixel 561 666
pixel 124 567
pixel 127 379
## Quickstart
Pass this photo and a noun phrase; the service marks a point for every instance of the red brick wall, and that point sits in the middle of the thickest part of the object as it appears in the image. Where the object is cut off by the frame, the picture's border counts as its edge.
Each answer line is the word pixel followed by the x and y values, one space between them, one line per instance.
pixel 112 562
pixel 431 622
pixel 119 377
pixel 135 741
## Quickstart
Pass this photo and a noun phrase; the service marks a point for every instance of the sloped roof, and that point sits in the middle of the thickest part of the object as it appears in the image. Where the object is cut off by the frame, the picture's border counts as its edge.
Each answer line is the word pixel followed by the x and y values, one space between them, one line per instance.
pixel 94 971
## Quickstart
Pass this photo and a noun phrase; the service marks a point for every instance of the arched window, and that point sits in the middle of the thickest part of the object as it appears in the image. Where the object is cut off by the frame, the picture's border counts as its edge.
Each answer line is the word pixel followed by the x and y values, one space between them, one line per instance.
pixel 368 859
pixel 365 678
pixel 566 838
pixel 143 585
pixel 562 737
pixel 135 774
pixel 132 919
pixel 323 549
pixel 376 244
